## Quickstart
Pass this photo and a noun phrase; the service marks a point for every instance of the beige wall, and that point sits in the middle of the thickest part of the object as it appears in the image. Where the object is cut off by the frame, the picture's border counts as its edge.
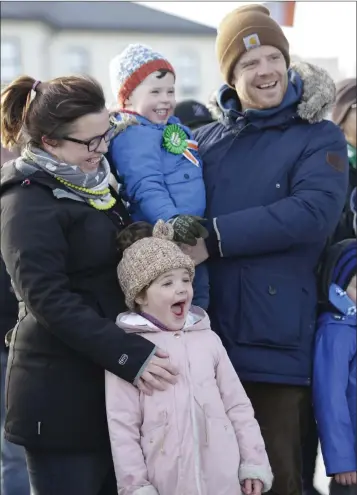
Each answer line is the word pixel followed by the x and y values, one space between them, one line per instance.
pixel 44 52
pixel 34 38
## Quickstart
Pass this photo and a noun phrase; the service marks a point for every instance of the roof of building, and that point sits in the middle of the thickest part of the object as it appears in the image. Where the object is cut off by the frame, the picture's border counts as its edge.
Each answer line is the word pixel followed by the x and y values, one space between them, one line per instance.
pixel 116 15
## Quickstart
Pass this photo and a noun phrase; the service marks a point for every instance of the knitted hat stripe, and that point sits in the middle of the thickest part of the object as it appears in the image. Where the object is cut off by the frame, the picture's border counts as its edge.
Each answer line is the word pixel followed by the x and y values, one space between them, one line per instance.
pixel 346 267
pixel 346 274
pixel 139 75
pixel 346 254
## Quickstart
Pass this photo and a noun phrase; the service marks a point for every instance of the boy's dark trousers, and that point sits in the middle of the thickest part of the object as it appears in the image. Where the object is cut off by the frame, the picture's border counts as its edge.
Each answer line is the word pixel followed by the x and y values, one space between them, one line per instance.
pixel 337 489
pixel 282 413
pixel 309 452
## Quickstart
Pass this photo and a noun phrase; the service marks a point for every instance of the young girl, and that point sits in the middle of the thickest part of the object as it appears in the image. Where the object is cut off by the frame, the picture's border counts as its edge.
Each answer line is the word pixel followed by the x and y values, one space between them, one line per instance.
pixel 198 437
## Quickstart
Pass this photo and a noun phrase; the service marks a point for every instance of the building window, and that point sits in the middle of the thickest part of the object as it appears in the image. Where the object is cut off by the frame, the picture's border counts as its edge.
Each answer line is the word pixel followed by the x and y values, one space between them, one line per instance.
pixel 188 74
pixel 77 60
pixel 10 59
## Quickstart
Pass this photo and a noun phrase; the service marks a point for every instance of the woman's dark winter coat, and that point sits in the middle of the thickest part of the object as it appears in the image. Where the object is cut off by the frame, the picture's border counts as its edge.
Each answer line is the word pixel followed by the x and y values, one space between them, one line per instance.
pixel 62 258
pixel 8 304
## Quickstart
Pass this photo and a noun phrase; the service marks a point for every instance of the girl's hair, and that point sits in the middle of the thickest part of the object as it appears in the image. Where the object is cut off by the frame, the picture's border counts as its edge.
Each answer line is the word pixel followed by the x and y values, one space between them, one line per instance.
pixel 133 233
pixel 49 110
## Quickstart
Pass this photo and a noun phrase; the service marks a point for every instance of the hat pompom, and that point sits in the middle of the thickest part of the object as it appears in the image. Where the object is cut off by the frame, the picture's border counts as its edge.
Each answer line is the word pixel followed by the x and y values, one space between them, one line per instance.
pixel 163 230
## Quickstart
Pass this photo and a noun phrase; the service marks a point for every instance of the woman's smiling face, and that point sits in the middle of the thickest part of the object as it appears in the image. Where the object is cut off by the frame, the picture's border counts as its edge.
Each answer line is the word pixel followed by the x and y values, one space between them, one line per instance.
pixel 84 128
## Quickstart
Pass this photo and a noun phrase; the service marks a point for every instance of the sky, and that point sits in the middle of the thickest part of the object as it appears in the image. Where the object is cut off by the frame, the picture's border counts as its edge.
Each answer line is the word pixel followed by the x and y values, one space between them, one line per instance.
pixel 321 29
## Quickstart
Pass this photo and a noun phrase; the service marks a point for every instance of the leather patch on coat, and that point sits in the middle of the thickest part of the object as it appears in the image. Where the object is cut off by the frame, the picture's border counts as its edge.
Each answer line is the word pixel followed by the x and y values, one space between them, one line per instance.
pixel 336 161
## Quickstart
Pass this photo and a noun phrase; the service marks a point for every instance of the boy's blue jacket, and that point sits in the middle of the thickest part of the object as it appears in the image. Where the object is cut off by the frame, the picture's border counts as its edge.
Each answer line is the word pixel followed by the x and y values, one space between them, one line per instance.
pixel 157 184
pixel 334 383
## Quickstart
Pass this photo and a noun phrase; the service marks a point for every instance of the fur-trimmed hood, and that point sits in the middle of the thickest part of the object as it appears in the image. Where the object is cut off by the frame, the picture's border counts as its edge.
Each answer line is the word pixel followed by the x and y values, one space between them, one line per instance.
pixel 318 94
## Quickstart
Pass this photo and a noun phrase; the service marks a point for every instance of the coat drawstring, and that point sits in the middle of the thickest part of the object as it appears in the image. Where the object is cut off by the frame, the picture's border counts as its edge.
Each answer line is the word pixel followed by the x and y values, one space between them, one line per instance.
pixel 162 450
pixel 206 427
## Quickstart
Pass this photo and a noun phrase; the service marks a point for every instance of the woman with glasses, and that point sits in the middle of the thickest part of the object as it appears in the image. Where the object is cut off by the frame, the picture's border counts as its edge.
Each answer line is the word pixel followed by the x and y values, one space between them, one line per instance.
pixel 59 222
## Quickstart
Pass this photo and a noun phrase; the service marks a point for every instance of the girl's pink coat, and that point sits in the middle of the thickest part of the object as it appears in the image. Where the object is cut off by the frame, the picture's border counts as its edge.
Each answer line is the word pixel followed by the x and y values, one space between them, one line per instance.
pixel 199 437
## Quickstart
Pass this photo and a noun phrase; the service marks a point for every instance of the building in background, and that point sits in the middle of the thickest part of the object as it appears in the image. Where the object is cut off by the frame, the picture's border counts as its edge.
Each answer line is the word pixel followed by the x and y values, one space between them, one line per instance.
pixel 50 39
pixel 282 12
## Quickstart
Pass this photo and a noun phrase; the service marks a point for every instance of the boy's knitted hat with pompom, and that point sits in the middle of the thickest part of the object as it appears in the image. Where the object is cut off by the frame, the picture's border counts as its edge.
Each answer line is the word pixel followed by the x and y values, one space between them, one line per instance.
pixel 130 68
pixel 148 258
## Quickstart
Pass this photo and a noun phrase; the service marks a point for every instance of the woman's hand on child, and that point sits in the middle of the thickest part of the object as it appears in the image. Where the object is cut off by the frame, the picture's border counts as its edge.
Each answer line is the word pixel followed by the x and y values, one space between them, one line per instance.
pixel 347 479
pixel 252 487
pixel 158 374
pixel 188 228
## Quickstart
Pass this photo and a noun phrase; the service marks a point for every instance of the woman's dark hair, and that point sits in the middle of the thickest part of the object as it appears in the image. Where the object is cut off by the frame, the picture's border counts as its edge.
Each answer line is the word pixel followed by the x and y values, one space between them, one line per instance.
pixel 133 233
pixel 51 112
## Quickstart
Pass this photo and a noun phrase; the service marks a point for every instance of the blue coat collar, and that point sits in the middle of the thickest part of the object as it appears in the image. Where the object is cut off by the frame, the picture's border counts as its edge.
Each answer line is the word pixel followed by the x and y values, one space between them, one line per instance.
pixel 229 104
pixel 144 121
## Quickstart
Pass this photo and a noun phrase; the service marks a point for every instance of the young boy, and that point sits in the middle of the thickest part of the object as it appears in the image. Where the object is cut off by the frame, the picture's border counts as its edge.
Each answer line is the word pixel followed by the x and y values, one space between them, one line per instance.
pixel 155 157
pixel 334 385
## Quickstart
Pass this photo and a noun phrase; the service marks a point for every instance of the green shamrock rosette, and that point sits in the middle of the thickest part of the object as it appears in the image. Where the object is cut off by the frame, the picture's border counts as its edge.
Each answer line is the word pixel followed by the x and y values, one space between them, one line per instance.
pixel 174 139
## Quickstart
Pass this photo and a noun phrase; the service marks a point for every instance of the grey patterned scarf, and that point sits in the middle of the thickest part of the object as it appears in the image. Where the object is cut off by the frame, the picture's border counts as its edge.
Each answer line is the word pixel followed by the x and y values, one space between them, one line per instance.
pixel 92 187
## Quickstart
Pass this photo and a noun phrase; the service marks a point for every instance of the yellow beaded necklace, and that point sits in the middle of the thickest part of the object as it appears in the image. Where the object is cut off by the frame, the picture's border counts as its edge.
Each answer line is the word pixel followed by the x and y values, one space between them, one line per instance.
pixel 92 202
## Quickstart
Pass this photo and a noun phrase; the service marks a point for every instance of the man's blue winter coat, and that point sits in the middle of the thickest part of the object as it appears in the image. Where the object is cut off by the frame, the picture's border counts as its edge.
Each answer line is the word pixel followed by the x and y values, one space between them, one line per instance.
pixel 275 189
pixel 334 384
pixel 157 184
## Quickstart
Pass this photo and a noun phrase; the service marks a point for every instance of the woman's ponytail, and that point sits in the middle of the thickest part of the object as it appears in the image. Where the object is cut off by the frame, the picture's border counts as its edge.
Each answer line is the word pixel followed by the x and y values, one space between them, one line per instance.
pixel 15 100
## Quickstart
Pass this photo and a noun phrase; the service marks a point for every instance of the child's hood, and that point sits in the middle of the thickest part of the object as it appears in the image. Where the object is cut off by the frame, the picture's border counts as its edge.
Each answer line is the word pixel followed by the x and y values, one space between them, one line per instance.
pixel 197 319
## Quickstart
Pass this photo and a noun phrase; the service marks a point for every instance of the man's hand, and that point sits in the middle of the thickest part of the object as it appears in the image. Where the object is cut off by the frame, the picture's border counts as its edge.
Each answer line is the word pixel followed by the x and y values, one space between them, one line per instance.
pixel 188 229
pixel 198 253
pixel 346 479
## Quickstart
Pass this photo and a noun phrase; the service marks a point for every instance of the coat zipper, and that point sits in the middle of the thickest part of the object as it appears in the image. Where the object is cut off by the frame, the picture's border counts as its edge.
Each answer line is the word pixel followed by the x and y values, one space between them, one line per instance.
pixel 196 446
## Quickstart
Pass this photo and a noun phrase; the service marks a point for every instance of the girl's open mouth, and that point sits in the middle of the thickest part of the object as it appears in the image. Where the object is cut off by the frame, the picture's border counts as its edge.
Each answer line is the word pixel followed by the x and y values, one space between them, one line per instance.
pixel 178 308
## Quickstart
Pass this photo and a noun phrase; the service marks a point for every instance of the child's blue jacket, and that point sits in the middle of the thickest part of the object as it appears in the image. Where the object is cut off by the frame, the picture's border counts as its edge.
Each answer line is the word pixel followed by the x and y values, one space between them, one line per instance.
pixel 334 383
pixel 157 184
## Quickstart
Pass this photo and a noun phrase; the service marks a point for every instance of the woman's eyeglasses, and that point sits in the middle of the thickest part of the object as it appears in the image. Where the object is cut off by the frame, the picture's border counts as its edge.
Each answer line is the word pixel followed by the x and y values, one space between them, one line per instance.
pixel 94 143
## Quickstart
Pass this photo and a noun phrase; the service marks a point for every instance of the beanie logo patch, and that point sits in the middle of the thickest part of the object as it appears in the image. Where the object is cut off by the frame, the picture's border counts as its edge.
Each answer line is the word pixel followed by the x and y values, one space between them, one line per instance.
pixel 251 41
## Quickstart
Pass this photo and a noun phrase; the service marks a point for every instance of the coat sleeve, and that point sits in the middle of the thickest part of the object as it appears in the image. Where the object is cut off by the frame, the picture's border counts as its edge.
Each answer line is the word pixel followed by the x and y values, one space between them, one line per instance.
pixel 137 156
pixel 334 351
pixel 254 460
pixel 318 188
pixel 124 422
pixel 36 253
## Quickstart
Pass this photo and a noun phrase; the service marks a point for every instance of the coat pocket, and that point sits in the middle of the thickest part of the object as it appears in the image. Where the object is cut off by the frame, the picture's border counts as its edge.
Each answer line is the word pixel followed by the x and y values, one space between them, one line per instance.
pixel 153 444
pixel 271 309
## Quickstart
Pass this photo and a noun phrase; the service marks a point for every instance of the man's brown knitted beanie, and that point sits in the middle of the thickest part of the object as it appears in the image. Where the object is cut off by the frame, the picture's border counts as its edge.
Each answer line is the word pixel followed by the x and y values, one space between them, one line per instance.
pixel 245 28
pixel 148 258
